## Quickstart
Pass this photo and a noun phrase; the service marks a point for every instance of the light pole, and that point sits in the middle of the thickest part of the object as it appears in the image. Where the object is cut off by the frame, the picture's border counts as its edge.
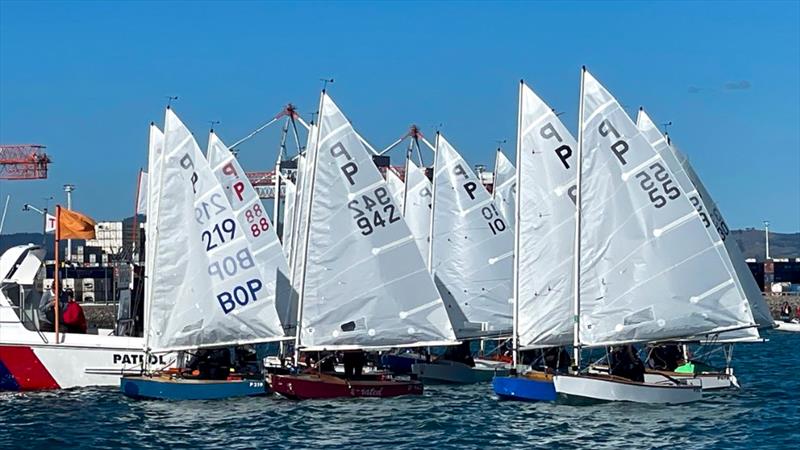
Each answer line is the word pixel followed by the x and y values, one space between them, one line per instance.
pixel 766 236
pixel 68 188
pixel 43 212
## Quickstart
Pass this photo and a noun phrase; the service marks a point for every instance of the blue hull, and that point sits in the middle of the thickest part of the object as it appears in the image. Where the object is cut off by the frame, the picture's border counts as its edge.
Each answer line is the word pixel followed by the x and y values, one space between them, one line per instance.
pixel 188 389
pixel 526 389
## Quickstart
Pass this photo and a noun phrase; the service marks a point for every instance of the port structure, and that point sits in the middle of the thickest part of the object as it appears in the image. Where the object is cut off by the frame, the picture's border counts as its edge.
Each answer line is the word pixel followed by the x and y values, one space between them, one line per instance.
pixel 23 162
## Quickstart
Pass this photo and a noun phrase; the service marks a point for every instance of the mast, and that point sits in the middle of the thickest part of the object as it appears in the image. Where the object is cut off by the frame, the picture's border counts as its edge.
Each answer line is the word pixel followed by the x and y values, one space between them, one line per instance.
pixel 515 285
pixel 56 287
pixel 276 206
pixel 307 235
pixel 494 173
pixel 433 205
pixel 576 287
pixel 152 234
pixel 405 177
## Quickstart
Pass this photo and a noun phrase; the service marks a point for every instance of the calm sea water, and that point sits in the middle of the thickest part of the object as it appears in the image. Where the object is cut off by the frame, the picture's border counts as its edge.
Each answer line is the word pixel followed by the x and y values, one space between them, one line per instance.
pixel 764 414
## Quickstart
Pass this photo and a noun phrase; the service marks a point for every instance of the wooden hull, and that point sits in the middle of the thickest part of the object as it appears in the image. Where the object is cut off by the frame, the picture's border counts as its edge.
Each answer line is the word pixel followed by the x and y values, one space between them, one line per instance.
pixel 530 388
pixel 158 388
pixel 458 373
pixel 606 388
pixel 313 386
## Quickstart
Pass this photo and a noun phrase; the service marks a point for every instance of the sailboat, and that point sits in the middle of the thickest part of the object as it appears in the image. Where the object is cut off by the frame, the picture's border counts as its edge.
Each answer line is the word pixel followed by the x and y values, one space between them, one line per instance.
pixel 504 189
pixel 417 205
pixel 544 216
pixel 396 187
pixel 362 282
pixel 470 258
pixel 204 289
pixel 712 219
pixel 640 250
pixel 259 229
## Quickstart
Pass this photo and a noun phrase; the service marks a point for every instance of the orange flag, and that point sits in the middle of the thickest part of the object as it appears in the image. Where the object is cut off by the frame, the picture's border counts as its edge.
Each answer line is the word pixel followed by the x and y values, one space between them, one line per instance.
pixel 73 225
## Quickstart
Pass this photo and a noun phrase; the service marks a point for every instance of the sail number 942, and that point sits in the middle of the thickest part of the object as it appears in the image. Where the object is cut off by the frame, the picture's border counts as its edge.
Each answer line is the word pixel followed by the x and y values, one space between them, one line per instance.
pixel 373 211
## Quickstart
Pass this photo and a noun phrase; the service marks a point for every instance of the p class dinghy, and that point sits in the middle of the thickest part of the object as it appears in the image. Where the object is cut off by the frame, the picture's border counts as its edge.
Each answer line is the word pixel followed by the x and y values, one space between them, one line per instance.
pixel 543 217
pixel 637 235
pixel 204 288
pixel 361 280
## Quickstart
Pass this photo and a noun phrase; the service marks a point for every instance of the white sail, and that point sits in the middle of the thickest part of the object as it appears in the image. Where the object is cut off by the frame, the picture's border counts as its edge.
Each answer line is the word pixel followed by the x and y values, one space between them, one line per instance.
pixel 504 190
pixel 546 164
pixel 364 284
pixel 396 187
pixel 253 219
pixel 206 288
pixel 417 212
pixel 717 229
pixel 471 256
pixel 288 216
pixel 155 156
pixel 302 199
pixel 758 306
pixel 649 269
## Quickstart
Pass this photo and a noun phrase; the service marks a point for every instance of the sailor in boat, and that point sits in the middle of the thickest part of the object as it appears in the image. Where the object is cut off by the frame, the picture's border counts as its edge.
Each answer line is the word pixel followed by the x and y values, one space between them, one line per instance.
pixel 786 312
pixel 623 361
pixel 665 357
pixel 47 307
pixel 460 353
pixel 354 362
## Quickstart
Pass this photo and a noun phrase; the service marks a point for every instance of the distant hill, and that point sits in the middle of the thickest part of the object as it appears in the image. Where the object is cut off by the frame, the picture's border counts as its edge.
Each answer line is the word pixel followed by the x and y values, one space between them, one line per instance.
pixel 781 245
pixel 750 240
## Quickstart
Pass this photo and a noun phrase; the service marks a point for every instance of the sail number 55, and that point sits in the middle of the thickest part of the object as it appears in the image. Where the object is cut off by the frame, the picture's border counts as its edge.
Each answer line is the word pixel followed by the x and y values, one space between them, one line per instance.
pixel 377 210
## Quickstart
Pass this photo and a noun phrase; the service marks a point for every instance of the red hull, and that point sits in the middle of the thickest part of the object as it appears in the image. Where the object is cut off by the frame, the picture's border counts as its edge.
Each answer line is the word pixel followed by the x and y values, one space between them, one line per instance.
pixel 311 386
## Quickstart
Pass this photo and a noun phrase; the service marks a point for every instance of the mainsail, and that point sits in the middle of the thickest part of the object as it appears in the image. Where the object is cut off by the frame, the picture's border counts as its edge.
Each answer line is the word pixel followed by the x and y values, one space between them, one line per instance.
pixel 504 190
pixel 155 156
pixel 206 288
pixel 288 217
pixel 396 187
pixel 471 255
pixel 363 283
pixel 712 219
pixel 546 166
pixel 417 212
pixel 252 218
pixel 758 306
pixel 649 269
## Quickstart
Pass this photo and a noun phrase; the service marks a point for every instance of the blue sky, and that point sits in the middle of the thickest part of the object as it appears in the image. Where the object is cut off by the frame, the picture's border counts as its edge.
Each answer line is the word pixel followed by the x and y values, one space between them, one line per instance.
pixel 86 78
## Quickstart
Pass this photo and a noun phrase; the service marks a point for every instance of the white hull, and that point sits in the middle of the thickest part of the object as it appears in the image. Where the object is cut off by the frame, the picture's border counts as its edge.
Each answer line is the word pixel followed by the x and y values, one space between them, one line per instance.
pixel 707 381
pixel 31 360
pixel 80 360
pixel 607 389
pixel 787 326
pixel 458 373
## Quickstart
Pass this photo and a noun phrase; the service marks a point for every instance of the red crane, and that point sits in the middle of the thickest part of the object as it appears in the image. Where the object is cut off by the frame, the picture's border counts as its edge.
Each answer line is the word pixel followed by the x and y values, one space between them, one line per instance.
pixel 23 162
